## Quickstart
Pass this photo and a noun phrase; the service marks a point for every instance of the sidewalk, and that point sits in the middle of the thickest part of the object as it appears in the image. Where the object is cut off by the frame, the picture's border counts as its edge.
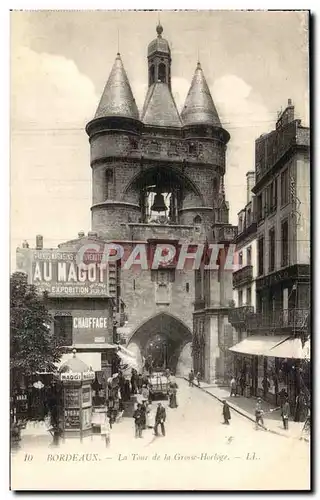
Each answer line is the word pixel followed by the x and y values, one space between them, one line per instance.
pixel 246 407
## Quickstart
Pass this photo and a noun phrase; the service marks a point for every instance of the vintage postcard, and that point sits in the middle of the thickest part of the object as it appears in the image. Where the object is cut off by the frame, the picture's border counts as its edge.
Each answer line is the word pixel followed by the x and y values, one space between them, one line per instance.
pixel 160 250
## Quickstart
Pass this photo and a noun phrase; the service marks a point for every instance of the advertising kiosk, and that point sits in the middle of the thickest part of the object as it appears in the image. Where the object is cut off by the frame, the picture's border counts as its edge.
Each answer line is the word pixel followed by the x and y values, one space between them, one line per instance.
pixel 75 418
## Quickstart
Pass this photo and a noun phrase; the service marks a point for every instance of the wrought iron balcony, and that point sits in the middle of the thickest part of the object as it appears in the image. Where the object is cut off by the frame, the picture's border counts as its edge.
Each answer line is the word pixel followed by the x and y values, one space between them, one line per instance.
pixel 292 319
pixel 238 316
pixel 242 276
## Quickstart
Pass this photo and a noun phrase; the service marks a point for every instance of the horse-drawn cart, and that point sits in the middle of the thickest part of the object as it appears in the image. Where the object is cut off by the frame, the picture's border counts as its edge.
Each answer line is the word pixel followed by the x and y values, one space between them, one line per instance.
pixel 159 385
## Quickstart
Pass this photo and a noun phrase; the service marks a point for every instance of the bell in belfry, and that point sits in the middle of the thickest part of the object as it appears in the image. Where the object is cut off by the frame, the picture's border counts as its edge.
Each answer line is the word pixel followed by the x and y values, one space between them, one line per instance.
pixel 159 204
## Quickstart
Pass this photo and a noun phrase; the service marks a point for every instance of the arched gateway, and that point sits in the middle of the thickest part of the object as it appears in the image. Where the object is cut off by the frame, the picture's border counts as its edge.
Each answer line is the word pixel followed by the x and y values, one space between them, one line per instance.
pixel 158 177
pixel 167 340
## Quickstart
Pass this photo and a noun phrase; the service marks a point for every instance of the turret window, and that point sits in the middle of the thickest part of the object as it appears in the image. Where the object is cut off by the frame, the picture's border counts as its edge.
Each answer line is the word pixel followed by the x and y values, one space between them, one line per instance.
pixel 151 75
pixel 192 148
pixel 162 73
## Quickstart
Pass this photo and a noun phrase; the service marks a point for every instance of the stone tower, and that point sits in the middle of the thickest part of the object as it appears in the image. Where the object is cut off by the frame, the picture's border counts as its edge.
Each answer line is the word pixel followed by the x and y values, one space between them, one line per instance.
pixel 158 177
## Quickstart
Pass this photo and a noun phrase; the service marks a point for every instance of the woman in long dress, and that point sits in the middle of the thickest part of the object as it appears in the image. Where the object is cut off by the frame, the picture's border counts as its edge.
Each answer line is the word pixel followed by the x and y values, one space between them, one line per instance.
pixel 173 395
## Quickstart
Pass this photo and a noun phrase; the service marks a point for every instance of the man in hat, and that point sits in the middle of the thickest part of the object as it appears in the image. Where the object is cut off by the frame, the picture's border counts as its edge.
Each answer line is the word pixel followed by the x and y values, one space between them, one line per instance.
pixel 139 419
pixel 160 419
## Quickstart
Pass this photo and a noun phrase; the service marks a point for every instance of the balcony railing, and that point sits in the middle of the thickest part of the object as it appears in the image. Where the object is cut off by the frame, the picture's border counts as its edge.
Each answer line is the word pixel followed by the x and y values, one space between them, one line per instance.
pixel 239 315
pixel 243 275
pixel 296 319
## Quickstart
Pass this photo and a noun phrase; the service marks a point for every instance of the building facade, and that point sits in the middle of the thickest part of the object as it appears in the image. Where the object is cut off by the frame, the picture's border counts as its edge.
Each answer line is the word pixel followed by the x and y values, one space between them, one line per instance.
pixel 158 177
pixel 83 300
pixel 244 289
pixel 282 212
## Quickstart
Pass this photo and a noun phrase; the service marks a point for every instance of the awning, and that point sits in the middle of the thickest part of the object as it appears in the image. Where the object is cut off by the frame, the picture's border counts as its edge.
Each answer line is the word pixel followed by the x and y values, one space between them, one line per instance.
pixel 291 348
pixel 126 351
pixel 91 347
pixel 258 345
pixel 91 359
pixel 128 360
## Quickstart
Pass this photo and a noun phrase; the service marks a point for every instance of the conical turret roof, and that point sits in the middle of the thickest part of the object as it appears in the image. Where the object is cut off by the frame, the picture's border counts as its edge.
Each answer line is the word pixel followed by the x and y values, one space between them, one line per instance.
pixel 199 107
pixel 117 98
pixel 159 107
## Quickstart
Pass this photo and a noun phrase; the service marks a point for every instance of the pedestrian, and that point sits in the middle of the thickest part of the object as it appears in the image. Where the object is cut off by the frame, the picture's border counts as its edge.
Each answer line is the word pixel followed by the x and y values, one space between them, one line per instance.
pixel 285 412
pixel 133 381
pixel 259 413
pixel 242 383
pixel 173 395
pixel 233 387
pixel 265 386
pixel 145 393
pixel 191 378
pixel 139 383
pixel 198 378
pixel 138 420
pixel 226 412
pixel 283 396
pixel 160 420
pixel 300 408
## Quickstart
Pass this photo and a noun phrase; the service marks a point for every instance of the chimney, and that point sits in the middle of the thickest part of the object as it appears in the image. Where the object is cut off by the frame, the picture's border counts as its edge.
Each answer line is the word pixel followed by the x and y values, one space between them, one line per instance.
pixel 92 234
pixel 39 242
pixel 251 178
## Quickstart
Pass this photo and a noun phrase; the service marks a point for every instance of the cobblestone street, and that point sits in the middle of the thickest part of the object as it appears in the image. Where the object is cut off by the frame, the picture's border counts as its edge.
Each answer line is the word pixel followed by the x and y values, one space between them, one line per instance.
pixel 204 454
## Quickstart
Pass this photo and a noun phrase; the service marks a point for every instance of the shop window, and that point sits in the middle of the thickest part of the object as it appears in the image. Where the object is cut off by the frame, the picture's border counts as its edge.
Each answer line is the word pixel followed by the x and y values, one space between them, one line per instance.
pixel 63 328
pixel 284 243
pixel 260 256
pixel 249 256
pixel 272 249
pixel 285 187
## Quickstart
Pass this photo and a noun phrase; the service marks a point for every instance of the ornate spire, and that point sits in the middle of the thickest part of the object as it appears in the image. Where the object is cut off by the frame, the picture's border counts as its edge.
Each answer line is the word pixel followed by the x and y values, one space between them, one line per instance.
pixel 117 98
pixel 199 107
pixel 159 44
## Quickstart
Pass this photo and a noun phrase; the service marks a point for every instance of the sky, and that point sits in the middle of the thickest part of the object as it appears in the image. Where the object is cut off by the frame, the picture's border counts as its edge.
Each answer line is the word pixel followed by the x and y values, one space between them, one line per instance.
pixel 60 61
